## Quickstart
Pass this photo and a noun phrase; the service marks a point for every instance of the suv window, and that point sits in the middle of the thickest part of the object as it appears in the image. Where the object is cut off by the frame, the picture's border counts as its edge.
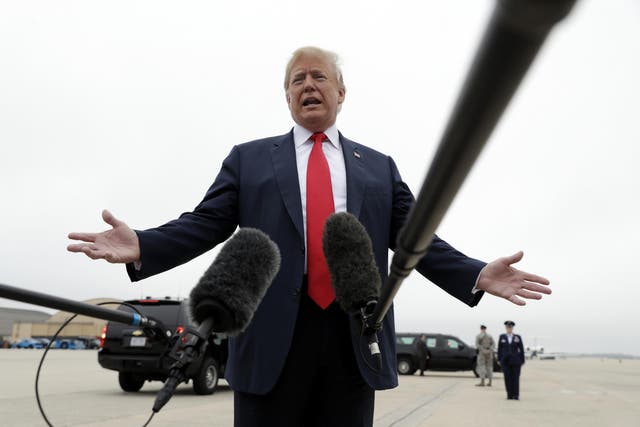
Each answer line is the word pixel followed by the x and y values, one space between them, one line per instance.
pixel 431 342
pixel 405 340
pixel 453 344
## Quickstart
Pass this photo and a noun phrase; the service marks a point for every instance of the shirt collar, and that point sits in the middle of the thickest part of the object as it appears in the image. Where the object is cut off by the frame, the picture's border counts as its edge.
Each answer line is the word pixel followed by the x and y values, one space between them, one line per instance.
pixel 302 135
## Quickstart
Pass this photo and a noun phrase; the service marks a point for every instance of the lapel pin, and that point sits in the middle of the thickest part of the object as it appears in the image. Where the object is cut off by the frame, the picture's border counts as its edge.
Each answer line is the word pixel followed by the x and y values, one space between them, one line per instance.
pixel 356 154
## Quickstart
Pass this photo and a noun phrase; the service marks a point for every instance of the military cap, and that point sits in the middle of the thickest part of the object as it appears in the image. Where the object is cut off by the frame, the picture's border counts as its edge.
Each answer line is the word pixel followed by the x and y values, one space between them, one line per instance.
pixel 510 323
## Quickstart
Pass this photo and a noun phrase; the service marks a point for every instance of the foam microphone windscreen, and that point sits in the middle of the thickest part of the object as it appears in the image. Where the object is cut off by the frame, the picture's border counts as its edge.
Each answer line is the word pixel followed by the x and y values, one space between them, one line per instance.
pixel 354 274
pixel 233 286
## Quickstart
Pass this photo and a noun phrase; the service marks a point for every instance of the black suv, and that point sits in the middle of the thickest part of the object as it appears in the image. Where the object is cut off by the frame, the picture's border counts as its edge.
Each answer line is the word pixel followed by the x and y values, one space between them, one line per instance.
pixel 138 357
pixel 444 353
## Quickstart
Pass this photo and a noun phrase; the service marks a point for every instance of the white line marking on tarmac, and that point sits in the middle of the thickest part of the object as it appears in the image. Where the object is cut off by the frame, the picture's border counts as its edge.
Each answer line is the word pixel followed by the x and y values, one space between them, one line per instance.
pixel 413 414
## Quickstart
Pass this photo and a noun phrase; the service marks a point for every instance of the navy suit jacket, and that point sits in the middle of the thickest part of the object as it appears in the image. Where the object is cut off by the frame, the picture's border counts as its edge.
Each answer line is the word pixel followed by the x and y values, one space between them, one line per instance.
pixel 258 187
pixel 510 354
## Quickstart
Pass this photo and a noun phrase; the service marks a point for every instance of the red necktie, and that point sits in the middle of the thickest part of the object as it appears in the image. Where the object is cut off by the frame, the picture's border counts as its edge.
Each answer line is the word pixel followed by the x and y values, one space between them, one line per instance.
pixel 319 207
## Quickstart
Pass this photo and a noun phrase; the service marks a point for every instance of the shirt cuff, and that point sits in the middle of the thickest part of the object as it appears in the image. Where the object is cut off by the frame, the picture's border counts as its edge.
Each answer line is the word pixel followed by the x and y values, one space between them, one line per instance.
pixel 475 287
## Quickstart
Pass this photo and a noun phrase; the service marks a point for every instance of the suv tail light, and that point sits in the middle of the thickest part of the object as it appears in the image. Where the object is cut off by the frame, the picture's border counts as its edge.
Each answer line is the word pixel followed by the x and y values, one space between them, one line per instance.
pixel 179 330
pixel 103 336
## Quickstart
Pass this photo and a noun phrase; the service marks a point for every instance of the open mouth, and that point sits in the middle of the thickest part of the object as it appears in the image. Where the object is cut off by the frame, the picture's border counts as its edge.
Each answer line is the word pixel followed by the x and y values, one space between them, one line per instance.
pixel 311 101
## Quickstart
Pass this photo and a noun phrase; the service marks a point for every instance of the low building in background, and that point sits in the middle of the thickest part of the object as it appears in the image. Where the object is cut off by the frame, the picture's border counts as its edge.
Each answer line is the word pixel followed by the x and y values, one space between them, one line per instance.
pixel 17 324
pixel 9 317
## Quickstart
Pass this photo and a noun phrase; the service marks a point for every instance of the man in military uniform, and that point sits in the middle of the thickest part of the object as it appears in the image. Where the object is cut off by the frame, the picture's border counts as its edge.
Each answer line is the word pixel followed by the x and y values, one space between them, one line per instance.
pixel 511 357
pixel 484 361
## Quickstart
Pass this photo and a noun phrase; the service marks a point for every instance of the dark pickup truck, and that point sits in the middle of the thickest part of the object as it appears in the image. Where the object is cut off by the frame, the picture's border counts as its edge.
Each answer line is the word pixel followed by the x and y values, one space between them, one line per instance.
pixel 445 353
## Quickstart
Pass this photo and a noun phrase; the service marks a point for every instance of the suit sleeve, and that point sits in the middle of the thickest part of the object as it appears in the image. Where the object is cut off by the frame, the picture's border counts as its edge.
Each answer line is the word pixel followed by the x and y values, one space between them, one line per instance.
pixel 193 233
pixel 445 266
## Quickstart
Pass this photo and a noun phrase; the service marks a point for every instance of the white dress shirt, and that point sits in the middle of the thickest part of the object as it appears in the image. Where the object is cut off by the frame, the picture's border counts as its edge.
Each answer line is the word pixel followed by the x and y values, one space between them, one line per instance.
pixel 333 152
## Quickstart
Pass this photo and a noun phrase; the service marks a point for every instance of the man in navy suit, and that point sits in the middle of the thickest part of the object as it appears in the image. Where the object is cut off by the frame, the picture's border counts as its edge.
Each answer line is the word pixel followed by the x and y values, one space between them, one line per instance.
pixel 299 362
pixel 511 357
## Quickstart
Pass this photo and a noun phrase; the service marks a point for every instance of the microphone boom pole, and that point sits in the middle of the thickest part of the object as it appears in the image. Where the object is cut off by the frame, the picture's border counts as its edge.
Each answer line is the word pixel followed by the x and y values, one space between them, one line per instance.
pixel 514 35
pixel 46 300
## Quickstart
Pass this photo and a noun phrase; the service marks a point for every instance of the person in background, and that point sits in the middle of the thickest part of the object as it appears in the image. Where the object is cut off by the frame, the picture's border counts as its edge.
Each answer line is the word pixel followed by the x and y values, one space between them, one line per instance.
pixel 484 362
pixel 421 352
pixel 511 357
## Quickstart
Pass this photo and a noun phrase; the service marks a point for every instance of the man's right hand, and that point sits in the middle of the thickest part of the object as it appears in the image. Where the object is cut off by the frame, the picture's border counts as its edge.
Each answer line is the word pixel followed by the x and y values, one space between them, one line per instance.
pixel 118 245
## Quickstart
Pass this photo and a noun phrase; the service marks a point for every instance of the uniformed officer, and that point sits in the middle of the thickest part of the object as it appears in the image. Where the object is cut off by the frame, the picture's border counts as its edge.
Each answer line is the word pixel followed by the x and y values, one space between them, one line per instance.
pixel 484 361
pixel 511 357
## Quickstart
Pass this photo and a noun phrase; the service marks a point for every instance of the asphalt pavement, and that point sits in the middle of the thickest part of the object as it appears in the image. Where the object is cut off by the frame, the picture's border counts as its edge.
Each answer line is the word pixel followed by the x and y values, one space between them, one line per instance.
pixel 76 391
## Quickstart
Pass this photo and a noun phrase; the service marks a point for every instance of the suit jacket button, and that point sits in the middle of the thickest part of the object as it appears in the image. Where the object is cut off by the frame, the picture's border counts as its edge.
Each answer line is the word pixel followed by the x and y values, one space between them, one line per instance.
pixel 296 292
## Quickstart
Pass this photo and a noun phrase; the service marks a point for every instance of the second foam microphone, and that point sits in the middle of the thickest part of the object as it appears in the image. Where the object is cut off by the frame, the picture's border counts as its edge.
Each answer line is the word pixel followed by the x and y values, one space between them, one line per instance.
pixel 355 277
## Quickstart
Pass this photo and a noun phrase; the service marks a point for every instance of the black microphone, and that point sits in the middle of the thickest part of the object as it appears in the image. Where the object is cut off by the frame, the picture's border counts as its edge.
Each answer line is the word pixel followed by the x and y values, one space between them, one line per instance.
pixel 224 300
pixel 236 281
pixel 512 39
pixel 355 277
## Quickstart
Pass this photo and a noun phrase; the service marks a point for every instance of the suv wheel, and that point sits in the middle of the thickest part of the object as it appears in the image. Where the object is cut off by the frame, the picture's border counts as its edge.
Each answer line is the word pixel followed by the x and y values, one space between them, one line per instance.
pixel 129 382
pixel 206 379
pixel 405 367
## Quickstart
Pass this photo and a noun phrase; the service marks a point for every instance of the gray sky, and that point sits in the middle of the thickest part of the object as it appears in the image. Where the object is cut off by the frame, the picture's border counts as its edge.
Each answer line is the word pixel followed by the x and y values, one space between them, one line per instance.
pixel 133 106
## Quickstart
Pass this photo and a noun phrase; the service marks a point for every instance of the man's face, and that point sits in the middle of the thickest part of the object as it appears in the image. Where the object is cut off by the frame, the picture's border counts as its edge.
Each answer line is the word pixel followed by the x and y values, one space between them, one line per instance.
pixel 314 93
pixel 509 329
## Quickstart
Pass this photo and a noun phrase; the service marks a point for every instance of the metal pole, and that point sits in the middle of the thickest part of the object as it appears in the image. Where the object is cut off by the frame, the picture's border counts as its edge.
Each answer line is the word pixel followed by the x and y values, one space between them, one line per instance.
pixel 515 33
pixel 45 300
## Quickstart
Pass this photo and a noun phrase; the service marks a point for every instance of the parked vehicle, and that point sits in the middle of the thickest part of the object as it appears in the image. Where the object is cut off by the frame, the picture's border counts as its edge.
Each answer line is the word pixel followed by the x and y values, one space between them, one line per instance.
pixel 28 343
pixel 45 341
pixel 68 344
pixel 445 353
pixel 90 343
pixel 139 358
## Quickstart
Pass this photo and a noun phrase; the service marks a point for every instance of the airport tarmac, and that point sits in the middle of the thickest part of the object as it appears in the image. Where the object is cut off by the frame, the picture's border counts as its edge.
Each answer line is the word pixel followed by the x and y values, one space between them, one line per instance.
pixel 75 391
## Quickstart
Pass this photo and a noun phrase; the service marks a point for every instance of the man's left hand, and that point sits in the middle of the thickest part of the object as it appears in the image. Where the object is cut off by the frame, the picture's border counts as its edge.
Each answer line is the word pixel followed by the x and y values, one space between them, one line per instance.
pixel 499 278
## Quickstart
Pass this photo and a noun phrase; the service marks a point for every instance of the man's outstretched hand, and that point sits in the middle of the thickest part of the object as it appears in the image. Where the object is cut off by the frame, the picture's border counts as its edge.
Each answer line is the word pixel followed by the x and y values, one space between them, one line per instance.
pixel 499 278
pixel 118 245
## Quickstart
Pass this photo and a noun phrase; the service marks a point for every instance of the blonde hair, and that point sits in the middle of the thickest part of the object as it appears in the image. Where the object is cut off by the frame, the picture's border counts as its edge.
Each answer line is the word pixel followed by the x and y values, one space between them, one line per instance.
pixel 331 57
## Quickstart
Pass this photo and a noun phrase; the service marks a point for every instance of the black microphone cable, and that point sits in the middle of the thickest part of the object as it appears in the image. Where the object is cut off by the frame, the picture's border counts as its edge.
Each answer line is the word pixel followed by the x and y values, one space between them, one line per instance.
pixel 46 350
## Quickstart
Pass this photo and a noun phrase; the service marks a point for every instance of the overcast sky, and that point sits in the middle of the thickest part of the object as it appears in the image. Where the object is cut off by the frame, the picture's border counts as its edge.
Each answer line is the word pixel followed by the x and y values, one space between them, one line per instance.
pixel 132 106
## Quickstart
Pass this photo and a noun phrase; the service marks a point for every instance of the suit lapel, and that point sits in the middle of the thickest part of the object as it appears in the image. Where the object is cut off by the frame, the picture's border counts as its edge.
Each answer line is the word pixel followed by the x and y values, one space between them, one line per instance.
pixel 283 155
pixel 356 183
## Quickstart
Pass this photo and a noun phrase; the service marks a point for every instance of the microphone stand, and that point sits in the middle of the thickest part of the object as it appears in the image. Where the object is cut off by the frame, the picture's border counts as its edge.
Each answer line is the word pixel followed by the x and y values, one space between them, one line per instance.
pixel 370 332
pixel 511 41
pixel 189 346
